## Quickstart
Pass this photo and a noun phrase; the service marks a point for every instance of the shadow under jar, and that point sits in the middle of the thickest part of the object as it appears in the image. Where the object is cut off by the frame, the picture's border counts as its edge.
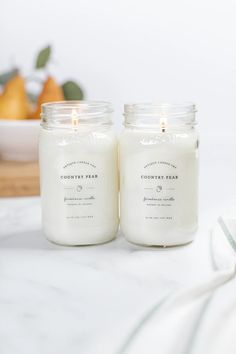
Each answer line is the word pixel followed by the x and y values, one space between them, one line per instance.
pixel 159 174
pixel 78 173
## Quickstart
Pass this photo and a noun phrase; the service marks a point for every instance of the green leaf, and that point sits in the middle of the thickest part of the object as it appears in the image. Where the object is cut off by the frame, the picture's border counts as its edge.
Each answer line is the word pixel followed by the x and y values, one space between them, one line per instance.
pixel 7 76
pixel 32 97
pixel 43 58
pixel 72 91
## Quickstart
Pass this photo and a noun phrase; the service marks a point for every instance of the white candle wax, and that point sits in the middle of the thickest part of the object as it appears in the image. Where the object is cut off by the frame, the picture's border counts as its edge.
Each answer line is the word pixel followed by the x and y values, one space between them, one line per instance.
pixel 79 184
pixel 159 185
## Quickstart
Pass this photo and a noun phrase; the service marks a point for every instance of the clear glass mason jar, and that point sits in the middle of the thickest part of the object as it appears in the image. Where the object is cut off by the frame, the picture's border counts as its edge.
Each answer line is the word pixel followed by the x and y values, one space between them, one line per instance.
pixel 159 174
pixel 78 172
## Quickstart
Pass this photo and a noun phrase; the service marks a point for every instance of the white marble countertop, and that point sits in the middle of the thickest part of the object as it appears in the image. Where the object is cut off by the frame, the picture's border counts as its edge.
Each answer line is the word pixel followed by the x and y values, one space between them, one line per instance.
pixel 88 299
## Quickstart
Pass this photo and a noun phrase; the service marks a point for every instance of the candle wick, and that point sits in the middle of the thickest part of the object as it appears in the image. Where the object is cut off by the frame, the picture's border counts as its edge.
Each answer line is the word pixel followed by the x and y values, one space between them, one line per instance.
pixel 75 120
pixel 163 125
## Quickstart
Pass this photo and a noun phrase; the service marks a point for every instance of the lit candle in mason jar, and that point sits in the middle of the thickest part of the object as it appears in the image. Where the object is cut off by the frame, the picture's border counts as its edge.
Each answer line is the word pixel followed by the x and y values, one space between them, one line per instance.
pixel 159 174
pixel 78 173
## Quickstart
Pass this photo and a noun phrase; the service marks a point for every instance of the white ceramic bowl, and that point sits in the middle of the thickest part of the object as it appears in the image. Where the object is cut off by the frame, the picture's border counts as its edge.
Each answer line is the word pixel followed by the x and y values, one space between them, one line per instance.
pixel 19 139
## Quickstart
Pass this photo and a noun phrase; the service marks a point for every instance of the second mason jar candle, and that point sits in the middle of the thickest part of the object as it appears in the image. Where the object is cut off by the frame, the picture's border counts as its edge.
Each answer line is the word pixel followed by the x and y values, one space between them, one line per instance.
pixel 159 174
pixel 78 173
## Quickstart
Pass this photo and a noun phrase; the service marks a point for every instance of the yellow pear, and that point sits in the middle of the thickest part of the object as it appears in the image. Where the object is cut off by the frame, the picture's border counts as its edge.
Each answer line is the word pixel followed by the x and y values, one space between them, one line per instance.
pixel 51 92
pixel 14 102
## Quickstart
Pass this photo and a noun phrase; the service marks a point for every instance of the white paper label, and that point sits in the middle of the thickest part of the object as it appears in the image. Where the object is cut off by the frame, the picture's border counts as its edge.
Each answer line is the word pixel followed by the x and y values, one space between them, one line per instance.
pixel 158 182
pixel 80 182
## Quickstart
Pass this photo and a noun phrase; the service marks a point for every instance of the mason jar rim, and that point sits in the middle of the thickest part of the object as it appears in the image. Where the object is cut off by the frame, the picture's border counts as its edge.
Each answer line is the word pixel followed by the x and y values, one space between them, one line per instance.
pixel 151 113
pixel 62 113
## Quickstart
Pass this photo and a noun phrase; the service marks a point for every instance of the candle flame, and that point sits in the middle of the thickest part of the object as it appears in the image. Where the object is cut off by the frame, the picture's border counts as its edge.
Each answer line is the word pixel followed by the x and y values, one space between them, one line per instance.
pixel 163 123
pixel 74 118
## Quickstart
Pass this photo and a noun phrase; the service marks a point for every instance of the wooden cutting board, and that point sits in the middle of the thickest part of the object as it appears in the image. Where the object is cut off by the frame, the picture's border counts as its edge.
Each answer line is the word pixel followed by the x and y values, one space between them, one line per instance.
pixel 19 179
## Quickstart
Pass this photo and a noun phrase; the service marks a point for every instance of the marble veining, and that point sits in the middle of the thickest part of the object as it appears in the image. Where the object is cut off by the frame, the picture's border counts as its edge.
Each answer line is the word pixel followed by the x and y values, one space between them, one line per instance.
pixel 85 298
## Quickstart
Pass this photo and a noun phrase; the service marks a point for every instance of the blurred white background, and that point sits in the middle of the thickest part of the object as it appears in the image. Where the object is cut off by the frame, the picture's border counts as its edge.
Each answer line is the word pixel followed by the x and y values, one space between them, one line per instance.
pixel 133 50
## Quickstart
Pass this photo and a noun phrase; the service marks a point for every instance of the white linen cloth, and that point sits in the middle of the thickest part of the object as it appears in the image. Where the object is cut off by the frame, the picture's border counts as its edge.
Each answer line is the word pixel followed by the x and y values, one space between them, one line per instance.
pixel 201 319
